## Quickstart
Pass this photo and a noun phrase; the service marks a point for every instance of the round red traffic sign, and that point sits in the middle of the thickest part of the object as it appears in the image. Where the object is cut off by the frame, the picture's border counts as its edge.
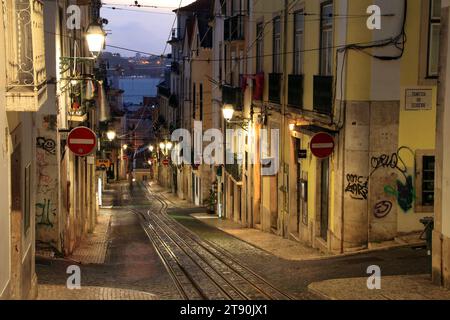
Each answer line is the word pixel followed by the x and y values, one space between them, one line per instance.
pixel 322 145
pixel 166 162
pixel 82 141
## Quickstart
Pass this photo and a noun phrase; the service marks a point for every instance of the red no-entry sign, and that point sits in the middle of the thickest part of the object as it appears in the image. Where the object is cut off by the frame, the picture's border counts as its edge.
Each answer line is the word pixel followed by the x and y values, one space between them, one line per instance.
pixel 322 145
pixel 82 141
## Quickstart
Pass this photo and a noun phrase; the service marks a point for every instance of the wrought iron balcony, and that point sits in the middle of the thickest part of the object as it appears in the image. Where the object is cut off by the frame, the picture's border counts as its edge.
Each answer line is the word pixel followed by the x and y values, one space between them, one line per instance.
pixel 235 170
pixel 173 101
pixel 26 88
pixel 233 95
pixel 295 91
pixel 323 94
pixel 275 87
pixel 234 28
pixel 175 67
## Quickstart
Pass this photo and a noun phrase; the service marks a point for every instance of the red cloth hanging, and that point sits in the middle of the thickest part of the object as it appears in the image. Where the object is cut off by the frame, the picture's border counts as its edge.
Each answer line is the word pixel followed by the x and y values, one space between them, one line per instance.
pixel 259 87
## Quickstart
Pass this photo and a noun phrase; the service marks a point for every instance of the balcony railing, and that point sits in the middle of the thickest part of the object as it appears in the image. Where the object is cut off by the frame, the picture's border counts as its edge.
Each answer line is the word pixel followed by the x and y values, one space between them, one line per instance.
pixel 173 101
pixel 234 96
pixel 175 67
pixel 235 170
pixel 234 28
pixel 275 87
pixel 323 94
pixel 26 76
pixel 295 91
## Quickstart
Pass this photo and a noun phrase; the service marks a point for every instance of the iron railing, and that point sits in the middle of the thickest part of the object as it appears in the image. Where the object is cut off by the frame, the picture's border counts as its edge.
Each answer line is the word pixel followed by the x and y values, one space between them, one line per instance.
pixel 275 87
pixel 234 28
pixel 295 91
pixel 323 94
pixel 26 46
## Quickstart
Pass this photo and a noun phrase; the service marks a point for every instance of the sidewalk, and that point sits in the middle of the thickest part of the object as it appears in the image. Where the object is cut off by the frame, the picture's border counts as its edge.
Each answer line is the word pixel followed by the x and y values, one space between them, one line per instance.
pixel 92 248
pixel 53 292
pixel 392 288
pixel 279 247
pixel 90 254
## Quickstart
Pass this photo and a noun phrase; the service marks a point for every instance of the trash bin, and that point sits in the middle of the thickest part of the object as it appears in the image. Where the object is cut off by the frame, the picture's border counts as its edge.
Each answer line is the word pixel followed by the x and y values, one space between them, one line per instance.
pixel 428 222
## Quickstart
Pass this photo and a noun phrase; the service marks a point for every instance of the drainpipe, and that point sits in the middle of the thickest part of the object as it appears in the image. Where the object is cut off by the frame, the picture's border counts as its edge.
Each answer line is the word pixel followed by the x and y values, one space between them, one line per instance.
pixel 283 109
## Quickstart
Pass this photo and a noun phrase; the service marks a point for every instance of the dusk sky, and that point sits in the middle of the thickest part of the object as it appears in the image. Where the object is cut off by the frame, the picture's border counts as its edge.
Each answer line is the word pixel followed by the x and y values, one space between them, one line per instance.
pixel 145 29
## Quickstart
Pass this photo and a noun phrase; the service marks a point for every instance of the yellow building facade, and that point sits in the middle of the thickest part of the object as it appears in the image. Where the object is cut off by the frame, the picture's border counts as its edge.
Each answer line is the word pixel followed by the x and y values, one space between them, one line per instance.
pixel 325 70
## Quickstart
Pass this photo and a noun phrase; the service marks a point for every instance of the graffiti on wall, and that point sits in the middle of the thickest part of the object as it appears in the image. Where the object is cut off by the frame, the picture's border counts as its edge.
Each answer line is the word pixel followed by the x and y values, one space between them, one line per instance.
pixel 49 145
pixel 45 182
pixel 357 186
pixel 403 192
pixel 382 209
pixel 46 204
pixel 45 214
pixel 403 189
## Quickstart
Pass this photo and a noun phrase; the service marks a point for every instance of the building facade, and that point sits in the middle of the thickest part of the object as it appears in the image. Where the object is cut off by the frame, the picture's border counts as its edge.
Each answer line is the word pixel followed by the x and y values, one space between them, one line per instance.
pixel 23 91
pixel 441 233
pixel 294 69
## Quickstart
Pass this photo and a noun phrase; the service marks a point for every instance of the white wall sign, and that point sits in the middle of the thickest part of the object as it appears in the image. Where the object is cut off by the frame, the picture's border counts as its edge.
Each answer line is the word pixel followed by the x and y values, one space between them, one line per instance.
pixel 418 99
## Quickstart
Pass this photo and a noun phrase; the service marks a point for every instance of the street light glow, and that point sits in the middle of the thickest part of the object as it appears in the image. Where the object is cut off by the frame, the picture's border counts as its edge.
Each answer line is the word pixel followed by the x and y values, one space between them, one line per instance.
pixel 228 112
pixel 95 37
pixel 151 148
pixel 111 135
pixel 169 145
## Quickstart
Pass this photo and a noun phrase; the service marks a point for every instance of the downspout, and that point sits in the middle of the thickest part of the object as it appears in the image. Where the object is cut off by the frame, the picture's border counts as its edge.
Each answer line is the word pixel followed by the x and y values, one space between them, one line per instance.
pixel 283 112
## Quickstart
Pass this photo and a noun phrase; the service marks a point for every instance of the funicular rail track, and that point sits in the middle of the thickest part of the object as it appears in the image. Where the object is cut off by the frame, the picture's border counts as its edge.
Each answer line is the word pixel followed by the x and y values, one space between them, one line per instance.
pixel 200 268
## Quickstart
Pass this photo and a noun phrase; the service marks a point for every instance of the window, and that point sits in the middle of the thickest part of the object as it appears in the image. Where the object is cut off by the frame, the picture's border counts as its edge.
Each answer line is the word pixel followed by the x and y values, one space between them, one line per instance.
pixel 299 25
pixel 194 100
pixel 433 38
pixel 259 47
pixel 201 101
pixel 425 178
pixel 27 211
pixel 220 61
pixel 233 68
pixel 428 163
pixel 326 39
pixel 277 45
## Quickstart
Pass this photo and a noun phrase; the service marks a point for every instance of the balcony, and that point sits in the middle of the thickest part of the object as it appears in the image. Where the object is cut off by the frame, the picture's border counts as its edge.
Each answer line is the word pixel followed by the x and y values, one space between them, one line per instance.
pixel 234 28
pixel 26 88
pixel 173 101
pixel 295 91
pixel 175 67
pixel 275 87
pixel 235 171
pixel 234 96
pixel 323 94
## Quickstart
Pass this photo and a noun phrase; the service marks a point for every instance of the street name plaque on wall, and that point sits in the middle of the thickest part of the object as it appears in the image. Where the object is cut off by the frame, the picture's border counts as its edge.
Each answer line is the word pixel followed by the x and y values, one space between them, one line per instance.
pixel 418 99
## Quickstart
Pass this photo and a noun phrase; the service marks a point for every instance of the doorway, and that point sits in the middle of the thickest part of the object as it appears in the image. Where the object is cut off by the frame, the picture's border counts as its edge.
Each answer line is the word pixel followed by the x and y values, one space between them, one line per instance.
pixel 324 198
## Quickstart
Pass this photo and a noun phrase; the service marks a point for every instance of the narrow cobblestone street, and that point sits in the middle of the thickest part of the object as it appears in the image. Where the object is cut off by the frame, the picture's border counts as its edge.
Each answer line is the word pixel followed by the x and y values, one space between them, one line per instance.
pixel 140 233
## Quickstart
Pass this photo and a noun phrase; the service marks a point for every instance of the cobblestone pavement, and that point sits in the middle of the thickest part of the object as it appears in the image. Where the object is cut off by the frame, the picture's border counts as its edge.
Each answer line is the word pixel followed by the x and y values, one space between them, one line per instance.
pixel 94 246
pixel 295 276
pixel 201 270
pixel 418 287
pixel 53 292
pixel 131 262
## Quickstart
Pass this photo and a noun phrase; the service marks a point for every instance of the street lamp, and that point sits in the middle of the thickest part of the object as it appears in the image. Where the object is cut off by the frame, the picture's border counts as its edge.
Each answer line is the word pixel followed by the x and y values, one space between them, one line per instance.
pixel 125 147
pixel 228 112
pixel 165 147
pixel 111 135
pixel 151 148
pixel 95 37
